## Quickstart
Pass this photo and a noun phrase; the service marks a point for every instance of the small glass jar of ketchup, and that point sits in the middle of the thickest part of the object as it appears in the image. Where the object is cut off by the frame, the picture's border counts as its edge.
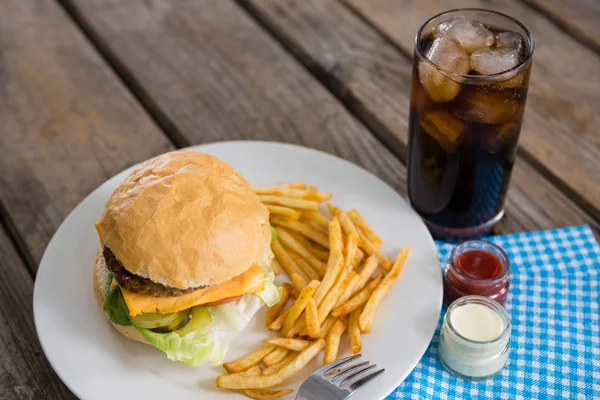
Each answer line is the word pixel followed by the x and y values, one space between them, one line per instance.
pixel 479 268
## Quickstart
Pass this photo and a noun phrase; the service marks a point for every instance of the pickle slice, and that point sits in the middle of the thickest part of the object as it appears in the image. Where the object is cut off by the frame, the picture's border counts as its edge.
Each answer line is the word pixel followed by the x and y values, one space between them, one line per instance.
pixel 200 319
pixel 161 322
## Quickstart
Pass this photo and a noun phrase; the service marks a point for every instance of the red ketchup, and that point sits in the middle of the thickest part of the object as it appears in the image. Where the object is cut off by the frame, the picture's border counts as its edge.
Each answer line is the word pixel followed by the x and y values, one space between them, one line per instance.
pixel 477 267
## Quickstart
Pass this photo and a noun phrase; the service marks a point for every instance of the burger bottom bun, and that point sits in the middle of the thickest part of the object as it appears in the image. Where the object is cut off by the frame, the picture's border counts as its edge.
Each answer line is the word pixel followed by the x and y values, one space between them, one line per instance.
pixel 101 275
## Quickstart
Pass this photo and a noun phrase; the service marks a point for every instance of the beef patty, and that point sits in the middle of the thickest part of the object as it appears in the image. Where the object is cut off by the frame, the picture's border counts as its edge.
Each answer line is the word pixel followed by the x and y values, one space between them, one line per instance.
pixel 138 284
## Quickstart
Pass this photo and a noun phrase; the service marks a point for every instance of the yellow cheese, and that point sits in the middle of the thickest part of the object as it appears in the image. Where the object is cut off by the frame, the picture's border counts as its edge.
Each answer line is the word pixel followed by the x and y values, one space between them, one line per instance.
pixel 99 230
pixel 251 281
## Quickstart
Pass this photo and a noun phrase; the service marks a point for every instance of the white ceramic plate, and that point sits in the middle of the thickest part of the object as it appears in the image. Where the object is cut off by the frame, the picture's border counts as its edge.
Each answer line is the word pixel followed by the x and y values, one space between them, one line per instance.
pixel 96 362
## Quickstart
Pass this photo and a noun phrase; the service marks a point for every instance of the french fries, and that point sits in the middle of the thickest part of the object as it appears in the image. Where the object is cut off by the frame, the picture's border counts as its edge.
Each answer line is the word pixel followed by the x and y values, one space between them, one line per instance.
pixel 232 381
pixel 335 263
pixel 311 316
pixel 330 263
pixel 285 211
pixel 290 202
pixel 289 265
pixel 358 299
pixel 274 311
pixel 366 317
pixel 354 331
pixel 316 218
pixel 298 307
pixel 333 341
pixel 291 243
pixel 275 356
pixel 290 344
pixel 278 323
pixel 364 227
pixel 250 360
pixel 310 232
pixel 266 394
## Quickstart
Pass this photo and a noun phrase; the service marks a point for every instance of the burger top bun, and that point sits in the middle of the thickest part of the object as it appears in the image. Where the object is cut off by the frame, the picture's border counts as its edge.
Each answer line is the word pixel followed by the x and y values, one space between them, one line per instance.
pixel 185 219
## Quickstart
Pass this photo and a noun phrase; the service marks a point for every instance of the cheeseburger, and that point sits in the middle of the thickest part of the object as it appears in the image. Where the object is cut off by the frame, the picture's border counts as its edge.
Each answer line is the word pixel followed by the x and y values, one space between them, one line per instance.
pixel 185 259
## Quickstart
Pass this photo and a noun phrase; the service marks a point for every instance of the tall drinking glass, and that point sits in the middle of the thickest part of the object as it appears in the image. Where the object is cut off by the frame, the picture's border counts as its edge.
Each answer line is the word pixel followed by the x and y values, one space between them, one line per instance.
pixel 469 85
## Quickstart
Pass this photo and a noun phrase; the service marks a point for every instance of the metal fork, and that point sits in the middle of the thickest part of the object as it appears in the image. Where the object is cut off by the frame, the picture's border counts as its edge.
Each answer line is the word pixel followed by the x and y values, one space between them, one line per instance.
pixel 332 382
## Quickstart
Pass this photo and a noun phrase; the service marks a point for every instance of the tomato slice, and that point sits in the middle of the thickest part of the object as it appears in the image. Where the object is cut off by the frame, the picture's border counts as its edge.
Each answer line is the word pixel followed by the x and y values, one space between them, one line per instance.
pixel 222 301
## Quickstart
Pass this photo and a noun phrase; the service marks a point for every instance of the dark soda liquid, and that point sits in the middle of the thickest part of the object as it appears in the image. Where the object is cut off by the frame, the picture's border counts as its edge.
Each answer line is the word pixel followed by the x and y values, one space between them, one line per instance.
pixel 461 152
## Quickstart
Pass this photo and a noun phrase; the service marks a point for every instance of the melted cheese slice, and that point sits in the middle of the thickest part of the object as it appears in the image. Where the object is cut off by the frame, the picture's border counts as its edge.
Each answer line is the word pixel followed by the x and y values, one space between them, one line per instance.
pixel 251 281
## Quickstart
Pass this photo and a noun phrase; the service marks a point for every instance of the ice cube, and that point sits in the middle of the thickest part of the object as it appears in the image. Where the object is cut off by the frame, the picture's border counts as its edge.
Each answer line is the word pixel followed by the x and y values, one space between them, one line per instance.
pixel 448 56
pixel 512 40
pixel 493 61
pixel 486 107
pixel 444 127
pixel 472 35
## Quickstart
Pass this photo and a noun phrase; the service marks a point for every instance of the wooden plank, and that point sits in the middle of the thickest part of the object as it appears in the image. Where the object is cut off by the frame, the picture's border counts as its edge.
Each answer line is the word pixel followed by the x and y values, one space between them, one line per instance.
pixel 217 75
pixel 66 121
pixel 373 78
pixel 577 18
pixel 560 127
pixel 24 371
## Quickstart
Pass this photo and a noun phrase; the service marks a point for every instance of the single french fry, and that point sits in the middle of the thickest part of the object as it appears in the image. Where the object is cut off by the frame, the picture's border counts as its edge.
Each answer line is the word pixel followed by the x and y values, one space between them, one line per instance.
pixel 336 241
pixel 366 272
pixel 266 394
pixel 291 243
pixel 289 265
pixel 347 226
pixel 316 249
pixel 274 311
pixel 335 263
pixel 311 193
pixel 252 371
pixel 366 317
pixel 360 255
pixel 288 343
pixel 264 381
pixel 294 185
pixel 358 299
pixel 278 323
pixel 332 341
pixel 370 249
pixel 285 211
pixel 310 232
pixel 351 249
pixel 299 305
pixel 327 305
pixel 364 226
pixel 289 202
pixel 275 356
pixel 317 218
pixel 275 267
pixel 354 331
pixel 334 210
pixel 307 268
pixel 348 290
pixel 311 316
pixel 274 368
pixel 250 360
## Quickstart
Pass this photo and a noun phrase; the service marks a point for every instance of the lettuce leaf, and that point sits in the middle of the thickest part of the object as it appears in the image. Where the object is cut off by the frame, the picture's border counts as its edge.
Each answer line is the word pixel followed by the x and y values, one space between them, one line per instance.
pixel 271 293
pixel 115 307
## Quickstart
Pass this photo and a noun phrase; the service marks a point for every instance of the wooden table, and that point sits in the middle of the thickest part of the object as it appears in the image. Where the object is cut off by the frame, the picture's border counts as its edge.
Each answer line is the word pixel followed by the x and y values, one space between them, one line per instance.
pixel 90 87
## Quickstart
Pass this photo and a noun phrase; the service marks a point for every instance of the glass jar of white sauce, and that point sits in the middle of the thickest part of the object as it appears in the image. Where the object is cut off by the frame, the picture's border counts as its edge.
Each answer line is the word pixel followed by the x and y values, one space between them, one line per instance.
pixel 475 338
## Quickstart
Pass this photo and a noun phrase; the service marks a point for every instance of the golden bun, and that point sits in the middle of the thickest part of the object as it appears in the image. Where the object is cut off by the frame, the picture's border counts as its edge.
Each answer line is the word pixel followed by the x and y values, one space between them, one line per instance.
pixel 185 219
pixel 101 275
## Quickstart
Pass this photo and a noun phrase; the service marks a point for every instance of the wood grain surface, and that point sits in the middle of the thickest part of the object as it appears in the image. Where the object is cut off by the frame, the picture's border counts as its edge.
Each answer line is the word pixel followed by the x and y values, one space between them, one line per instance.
pixel 580 18
pixel 373 78
pixel 560 126
pixel 66 122
pixel 24 371
pixel 218 76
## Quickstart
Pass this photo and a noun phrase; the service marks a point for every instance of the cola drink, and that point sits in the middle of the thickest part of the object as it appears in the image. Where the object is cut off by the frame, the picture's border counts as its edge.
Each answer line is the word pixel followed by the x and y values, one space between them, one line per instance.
pixel 469 86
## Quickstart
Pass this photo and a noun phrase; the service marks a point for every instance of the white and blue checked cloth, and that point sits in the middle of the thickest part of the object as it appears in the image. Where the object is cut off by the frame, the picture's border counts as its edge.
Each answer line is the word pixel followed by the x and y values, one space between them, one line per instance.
pixel 553 303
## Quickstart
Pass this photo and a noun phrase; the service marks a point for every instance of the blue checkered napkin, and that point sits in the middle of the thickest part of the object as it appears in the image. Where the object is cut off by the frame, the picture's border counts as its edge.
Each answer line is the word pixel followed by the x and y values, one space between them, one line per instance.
pixel 553 304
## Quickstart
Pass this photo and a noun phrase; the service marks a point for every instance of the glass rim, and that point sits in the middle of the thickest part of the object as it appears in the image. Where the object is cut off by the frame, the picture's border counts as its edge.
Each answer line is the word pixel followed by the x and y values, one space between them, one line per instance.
pixel 499 278
pixel 462 77
pixel 487 302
